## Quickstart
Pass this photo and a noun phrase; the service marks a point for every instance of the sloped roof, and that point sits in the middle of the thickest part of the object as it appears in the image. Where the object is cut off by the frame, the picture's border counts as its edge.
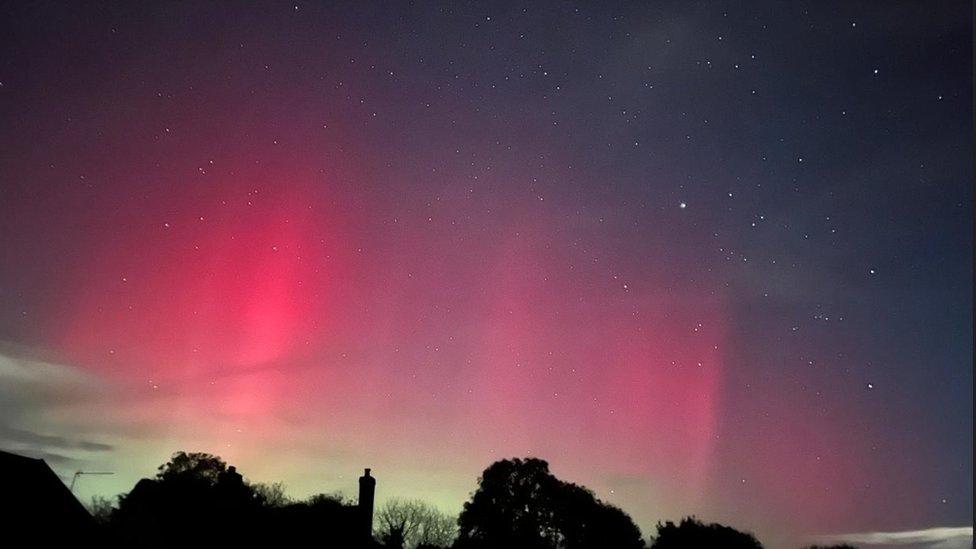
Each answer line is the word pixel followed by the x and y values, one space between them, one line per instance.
pixel 36 502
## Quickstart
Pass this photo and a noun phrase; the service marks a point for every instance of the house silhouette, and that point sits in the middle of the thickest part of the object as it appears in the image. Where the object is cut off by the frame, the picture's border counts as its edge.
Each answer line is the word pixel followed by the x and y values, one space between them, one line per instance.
pixel 38 507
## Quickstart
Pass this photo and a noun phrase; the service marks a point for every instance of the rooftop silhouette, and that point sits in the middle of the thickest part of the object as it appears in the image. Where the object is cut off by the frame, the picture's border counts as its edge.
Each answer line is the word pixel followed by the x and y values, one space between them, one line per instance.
pixel 37 505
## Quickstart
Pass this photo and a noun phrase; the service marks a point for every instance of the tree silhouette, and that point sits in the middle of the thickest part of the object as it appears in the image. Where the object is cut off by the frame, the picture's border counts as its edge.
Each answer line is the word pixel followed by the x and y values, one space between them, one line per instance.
pixel 197 500
pixel 271 494
pixel 691 532
pixel 411 523
pixel 585 522
pixel 101 509
pixel 519 503
pixel 198 466
pixel 437 530
pixel 193 495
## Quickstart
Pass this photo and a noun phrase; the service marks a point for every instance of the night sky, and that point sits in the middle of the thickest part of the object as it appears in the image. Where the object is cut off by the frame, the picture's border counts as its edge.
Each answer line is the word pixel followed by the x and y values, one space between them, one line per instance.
pixel 706 258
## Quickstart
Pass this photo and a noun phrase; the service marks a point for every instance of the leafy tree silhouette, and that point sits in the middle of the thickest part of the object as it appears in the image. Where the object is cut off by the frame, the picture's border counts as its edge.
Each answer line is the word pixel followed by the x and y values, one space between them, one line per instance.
pixel 691 532
pixel 195 466
pixel 520 504
pixel 193 494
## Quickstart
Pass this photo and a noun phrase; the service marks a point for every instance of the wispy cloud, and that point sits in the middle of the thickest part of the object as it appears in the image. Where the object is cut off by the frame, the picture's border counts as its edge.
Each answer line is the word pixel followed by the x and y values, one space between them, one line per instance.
pixel 930 538
pixel 29 389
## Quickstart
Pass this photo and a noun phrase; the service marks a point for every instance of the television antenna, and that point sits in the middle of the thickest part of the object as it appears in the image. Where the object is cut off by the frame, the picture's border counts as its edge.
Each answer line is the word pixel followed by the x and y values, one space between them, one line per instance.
pixel 79 473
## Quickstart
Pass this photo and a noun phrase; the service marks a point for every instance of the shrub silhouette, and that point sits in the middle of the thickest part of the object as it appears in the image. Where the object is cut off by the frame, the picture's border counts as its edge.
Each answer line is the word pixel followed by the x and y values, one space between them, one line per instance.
pixel 520 504
pixel 691 532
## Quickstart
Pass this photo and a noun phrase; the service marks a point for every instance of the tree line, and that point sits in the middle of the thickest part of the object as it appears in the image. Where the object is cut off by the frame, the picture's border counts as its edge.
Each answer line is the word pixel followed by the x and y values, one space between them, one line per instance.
pixel 196 499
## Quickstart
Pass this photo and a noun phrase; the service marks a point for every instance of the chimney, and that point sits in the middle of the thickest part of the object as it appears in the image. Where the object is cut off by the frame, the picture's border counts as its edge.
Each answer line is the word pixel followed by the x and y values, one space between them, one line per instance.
pixel 367 488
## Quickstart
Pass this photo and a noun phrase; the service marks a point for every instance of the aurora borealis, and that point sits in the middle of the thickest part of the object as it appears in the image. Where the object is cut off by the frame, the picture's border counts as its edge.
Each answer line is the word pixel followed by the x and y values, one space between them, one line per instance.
pixel 703 257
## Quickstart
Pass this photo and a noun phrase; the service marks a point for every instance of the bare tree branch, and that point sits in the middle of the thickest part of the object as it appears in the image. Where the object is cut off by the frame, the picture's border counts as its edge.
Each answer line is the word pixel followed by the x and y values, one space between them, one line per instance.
pixel 413 522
